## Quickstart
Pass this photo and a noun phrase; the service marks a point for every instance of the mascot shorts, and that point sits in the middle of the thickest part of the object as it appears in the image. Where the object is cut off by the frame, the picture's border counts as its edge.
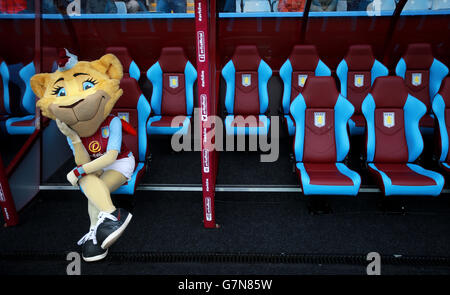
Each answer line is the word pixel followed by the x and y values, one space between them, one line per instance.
pixel 124 166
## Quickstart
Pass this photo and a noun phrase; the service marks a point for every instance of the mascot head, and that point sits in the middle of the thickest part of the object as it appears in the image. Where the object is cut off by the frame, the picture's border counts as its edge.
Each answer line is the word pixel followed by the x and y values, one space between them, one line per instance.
pixel 80 94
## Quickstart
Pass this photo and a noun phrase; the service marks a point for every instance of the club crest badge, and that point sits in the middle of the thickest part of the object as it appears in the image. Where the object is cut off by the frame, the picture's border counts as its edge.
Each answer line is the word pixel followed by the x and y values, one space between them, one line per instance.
pixel 173 81
pixel 389 120
pixel 416 79
pixel 359 80
pixel 246 80
pixel 319 119
pixel 105 132
pixel 302 80
pixel 124 116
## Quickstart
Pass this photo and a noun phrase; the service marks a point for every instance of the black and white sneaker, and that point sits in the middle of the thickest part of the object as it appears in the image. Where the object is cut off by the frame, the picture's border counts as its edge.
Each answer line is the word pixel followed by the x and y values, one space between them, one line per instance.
pixel 110 226
pixel 90 248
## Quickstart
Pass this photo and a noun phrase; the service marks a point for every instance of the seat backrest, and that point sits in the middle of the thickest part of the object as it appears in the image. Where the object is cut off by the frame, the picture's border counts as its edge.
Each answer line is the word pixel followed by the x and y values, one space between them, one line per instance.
pixel 2 95
pixel 246 76
pixel 392 116
pixel 121 7
pixel 173 78
pixel 418 5
pixel 357 72
pixel 321 115
pixel 441 109
pixel 130 68
pixel 422 73
pixel 28 97
pixel 255 6
pixel 18 97
pixel 303 62
pixel 440 4
pixel 134 108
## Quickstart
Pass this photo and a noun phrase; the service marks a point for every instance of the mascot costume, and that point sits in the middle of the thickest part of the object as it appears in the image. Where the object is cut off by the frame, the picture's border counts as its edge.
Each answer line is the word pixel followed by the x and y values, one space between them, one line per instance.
pixel 80 96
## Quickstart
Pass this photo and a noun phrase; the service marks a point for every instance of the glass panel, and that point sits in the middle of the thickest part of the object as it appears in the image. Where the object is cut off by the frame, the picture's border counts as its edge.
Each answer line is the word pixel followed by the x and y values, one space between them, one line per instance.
pixel 17 103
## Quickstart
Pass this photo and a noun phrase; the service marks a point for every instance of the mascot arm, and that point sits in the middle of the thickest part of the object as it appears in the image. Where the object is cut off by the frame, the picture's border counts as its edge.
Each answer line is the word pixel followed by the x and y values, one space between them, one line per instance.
pixel 79 152
pixel 92 167
pixel 104 161
pixel 112 151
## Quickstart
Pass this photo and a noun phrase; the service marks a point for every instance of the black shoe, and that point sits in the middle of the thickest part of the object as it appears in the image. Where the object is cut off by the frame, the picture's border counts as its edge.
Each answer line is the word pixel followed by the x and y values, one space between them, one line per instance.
pixel 90 248
pixel 110 226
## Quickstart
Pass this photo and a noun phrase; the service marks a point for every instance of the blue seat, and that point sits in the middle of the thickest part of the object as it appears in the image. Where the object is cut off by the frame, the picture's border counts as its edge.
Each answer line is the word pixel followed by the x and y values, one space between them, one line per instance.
pixel 18 99
pixel 133 108
pixel 441 4
pixel 423 75
pixel 121 7
pixel 303 62
pixel 417 5
pixel 173 77
pixel 321 140
pixel 130 68
pixel 246 99
pixel 394 140
pixel 441 109
pixel 356 73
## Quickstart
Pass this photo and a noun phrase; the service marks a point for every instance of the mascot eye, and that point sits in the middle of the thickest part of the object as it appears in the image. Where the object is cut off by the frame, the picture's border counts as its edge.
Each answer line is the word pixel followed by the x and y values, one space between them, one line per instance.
pixel 60 91
pixel 87 85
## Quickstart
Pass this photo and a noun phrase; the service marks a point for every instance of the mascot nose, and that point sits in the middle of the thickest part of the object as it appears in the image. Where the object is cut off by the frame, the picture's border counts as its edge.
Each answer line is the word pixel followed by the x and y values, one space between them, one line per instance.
pixel 72 105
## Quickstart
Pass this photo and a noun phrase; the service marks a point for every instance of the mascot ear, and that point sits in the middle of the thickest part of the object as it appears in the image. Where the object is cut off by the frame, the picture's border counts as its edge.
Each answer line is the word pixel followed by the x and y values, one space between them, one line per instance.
pixel 39 84
pixel 110 65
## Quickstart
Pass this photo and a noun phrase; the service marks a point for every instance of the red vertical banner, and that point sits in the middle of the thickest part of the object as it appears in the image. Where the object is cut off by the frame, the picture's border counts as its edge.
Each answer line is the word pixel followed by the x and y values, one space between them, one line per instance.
pixel 205 101
pixel 6 200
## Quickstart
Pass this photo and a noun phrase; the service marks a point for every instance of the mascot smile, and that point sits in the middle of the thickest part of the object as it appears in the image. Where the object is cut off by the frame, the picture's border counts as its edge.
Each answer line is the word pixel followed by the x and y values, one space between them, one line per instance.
pixel 79 96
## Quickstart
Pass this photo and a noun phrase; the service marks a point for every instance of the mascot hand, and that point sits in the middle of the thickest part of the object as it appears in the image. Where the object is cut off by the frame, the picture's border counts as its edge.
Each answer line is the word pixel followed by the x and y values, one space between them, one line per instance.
pixel 67 131
pixel 72 178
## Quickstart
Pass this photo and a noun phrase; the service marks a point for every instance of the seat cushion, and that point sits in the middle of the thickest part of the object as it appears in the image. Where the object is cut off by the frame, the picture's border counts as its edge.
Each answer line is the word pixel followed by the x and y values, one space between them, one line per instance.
pixel 249 125
pixel 167 125
pixel 406 179
pixel 20 125
pixel 130 186
pixel 328 179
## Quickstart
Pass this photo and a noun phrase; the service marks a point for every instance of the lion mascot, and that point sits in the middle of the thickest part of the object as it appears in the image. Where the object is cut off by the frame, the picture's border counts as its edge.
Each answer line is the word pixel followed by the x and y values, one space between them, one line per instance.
pixel 79 96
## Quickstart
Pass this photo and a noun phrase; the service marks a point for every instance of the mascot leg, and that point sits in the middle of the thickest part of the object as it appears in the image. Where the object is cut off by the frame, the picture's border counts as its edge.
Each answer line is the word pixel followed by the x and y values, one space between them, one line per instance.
pixel 113 179
pixel 97 192
pixel 107 222
pixel 93 214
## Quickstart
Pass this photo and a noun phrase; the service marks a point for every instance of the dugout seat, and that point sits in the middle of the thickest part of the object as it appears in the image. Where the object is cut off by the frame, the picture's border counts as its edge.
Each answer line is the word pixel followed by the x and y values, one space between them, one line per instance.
pixel 3 113
pixel 246 99
pixel 356 73
pixel 417 5
pixel 423 76
pixel 394 140
pixel 321 140
pixel 303 62
pixel 133 108
pixel 441 109
pixel 18 103
pixel 130 68
pixel 173 77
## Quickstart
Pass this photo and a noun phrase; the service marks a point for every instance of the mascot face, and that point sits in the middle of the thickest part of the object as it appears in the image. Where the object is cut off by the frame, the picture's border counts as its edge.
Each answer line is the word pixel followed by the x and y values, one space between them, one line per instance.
pixel 80 94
